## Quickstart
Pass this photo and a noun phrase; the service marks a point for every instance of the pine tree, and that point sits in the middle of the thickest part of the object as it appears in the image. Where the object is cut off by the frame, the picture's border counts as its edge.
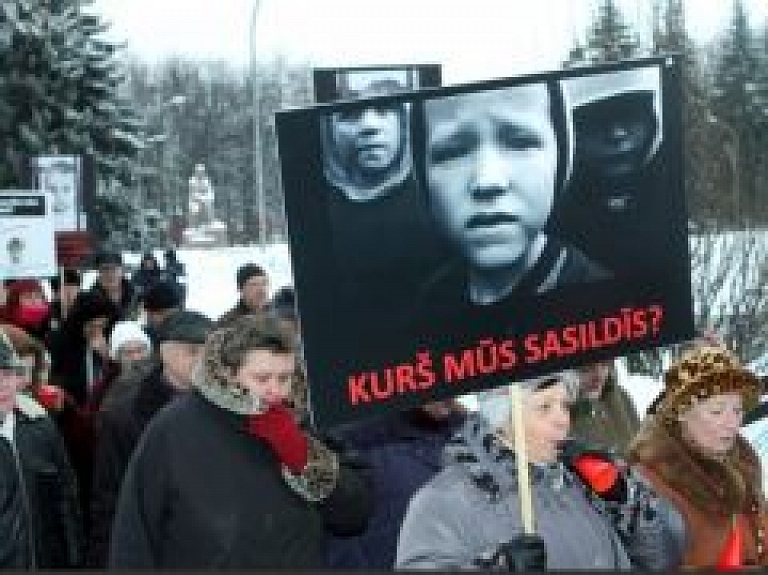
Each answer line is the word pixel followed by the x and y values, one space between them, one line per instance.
pixel 59 88
pixel 736 68
pixel 610 37
pixel 707 168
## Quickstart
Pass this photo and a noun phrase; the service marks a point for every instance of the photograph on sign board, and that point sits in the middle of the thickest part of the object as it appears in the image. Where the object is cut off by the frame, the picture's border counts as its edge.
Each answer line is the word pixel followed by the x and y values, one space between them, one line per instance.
pixel 521 281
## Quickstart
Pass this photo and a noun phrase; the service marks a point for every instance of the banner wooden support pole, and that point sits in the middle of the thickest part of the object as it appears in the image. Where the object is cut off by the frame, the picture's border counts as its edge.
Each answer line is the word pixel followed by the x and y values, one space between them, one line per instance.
pixel 521 459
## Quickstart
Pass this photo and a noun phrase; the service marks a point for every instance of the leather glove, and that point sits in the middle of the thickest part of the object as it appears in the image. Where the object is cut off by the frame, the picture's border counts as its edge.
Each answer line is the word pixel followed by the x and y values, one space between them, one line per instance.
pixel 598 469
pixel 280 429
pixel 519 554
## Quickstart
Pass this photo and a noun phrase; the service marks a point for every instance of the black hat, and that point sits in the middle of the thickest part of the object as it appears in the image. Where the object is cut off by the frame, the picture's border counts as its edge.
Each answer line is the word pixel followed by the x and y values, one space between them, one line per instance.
pixel 246 272
pixel 108 258
pixel 185 326
pixel 89 305
pixel 161 296
pixel 69 277
pixel 283 304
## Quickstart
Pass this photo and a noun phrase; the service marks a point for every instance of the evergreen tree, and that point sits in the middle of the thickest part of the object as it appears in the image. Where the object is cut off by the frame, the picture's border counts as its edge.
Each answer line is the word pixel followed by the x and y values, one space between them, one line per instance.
pixel 736 70
pixel 708 169
pixel 59 88
pixel 609 38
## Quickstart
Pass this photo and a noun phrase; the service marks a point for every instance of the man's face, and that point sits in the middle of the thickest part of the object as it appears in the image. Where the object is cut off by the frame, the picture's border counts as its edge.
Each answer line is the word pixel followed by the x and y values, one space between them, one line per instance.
pixel 68 293
pixel 110 275
pixel 254 292
pixel 267 375
pixel 11 381
pixel 180 360
pixel 593 377
pixel 368 139
pixel 491 163
pixel 95 328
pixel 132 351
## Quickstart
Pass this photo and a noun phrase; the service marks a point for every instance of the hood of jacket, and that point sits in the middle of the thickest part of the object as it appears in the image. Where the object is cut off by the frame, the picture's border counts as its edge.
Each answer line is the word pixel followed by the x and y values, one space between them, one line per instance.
pixel 214 381
pixel 491 466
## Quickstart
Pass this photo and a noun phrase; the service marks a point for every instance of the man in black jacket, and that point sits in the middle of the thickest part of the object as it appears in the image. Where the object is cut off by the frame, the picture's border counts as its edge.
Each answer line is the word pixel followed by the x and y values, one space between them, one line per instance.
pixel 123 419
pixel 39 514
pixel 226 477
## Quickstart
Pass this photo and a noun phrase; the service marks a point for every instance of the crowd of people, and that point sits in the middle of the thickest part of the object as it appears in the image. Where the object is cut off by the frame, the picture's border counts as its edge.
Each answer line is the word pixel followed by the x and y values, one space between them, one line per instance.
pixel 135 432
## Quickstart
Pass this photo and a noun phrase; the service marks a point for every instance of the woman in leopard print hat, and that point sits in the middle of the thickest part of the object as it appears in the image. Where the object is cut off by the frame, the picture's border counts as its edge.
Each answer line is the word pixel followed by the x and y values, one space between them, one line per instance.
pixel 228 477
pixel 691 452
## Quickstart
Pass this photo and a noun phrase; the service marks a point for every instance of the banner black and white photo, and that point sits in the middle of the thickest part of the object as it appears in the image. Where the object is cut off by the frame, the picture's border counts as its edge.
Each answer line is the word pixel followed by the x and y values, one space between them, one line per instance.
pixel 540 224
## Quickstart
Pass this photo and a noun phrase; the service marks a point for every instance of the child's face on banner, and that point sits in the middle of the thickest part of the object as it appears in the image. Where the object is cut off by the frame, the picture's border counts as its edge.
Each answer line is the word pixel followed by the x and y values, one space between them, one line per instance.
pixel 617 133
pixel 491 161
pixel 368 138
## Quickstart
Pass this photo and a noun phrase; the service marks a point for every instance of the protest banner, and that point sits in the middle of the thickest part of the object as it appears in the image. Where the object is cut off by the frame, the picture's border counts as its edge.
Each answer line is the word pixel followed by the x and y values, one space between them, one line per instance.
pixel 541 225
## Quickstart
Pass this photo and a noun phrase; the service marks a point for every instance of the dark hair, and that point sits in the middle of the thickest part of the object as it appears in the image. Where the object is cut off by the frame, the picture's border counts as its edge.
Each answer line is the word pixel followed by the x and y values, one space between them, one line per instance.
pixel 246 272
pixel 70 277
pixel 560 124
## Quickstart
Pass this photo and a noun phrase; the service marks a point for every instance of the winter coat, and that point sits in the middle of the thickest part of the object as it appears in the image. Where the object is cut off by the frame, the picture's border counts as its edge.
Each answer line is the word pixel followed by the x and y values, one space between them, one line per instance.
pixel 44 504
pixel 200 492
pixel 467 510
pixel 143 279
pixel 610 422
pixel 128 305
pixel 705 493
pixel 69 349
pixel 118 428
pixel 239 310
pixel 403 452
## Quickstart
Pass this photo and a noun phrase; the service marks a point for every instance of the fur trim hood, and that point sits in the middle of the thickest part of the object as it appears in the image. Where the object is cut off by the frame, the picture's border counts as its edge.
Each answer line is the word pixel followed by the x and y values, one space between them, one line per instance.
pixel 214 377
pixel 719 487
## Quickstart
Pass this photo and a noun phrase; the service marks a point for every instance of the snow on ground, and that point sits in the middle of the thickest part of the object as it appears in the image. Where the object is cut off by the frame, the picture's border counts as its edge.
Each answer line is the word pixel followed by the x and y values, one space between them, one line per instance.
pixel 211 287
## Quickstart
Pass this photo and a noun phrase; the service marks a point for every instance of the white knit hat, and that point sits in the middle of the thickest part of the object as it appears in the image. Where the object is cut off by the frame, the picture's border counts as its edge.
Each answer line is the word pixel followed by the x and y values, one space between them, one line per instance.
pixel 496 404
pixel 126 331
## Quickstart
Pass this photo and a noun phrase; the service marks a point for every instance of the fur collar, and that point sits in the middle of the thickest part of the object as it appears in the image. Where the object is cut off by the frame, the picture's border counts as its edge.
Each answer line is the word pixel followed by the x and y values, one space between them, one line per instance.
pixel 713 486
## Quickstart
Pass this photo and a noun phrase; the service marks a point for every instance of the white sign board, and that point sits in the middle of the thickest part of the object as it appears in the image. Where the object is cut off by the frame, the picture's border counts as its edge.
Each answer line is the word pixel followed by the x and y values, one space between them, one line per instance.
pixel 27 245
pixel 61 176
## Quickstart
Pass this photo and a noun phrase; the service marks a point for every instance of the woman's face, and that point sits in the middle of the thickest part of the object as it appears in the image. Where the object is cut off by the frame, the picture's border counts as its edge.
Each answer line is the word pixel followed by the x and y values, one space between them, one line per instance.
pixel 267 375
pixel 712 424
pixel 546 420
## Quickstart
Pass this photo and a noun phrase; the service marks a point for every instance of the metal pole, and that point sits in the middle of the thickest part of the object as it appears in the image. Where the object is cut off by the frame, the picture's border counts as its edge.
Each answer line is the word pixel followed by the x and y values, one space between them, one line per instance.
pixel 258 163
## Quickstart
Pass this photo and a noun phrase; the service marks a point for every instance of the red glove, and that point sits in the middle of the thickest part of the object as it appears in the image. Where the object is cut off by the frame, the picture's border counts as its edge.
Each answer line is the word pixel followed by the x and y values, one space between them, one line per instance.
pixel 597 469
pixel 51 397
pixel 279 428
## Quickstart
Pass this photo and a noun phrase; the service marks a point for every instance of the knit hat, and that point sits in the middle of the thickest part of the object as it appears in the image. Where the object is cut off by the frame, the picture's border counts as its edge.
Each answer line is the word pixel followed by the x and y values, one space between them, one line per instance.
pixel 185 326
pixel 246 272
pixel 124 332
pixel 283 304
pixel 161 296
pixel 496 404
pixel 106 258
pixel 704 372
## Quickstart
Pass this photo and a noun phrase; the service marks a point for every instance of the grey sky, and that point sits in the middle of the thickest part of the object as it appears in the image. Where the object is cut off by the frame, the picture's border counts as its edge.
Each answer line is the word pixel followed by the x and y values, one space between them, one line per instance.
pixel 473 40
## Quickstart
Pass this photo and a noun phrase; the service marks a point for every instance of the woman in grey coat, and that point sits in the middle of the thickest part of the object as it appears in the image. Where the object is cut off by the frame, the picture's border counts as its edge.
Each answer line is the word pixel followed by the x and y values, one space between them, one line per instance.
pixel 469 515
